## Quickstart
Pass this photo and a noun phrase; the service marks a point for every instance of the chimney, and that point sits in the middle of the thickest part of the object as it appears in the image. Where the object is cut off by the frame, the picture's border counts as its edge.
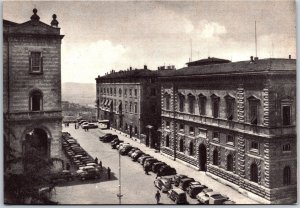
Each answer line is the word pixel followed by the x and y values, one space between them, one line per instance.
pixel 290 56
pixel 251 58
pixel 130 68
pixel 145 66
pixel 255 58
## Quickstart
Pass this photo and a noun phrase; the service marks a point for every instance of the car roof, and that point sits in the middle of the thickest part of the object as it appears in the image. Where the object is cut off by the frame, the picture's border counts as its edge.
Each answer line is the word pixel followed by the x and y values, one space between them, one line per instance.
pixel 195 183
pixel 178 190
pixel 187 179
pixel 213 193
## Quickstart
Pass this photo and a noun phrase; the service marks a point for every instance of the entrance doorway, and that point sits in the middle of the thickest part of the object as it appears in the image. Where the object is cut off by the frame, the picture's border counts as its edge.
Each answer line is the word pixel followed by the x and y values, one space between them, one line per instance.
pixel 202 157
pixel 130 131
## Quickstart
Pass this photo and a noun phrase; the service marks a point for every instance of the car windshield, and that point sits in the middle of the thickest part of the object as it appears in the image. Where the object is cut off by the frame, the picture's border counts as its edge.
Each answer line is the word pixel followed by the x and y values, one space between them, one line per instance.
pixel 182 197
pixel 217 196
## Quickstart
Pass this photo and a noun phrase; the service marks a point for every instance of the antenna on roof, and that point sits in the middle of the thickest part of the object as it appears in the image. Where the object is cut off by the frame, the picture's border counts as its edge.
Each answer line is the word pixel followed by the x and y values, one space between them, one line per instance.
pixel 272 53
pixel 191 50
pixel 255 41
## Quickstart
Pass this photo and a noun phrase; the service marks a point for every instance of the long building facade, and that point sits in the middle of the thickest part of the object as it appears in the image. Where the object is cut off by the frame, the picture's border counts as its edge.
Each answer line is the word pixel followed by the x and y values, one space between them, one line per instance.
pixel 237 122
pixel 32 91
pixel 130 101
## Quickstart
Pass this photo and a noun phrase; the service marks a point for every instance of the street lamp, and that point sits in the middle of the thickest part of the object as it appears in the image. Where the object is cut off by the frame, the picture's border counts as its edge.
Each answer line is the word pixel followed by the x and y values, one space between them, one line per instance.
pixel 119 195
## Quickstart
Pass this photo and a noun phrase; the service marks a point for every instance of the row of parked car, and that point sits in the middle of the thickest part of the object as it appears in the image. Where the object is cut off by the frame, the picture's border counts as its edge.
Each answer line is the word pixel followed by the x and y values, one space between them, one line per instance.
pixel 85 164
pixel 148 162
pixel 178 185
pixel 86 125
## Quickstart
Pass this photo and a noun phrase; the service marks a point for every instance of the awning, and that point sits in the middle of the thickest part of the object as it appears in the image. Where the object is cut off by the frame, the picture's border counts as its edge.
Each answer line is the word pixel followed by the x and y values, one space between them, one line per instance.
pixel 149 127
pixel 106 101
pixel 103 101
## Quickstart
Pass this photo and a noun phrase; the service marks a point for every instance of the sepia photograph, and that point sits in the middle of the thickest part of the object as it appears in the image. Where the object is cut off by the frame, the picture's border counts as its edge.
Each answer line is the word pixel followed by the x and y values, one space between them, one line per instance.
pixel 149 102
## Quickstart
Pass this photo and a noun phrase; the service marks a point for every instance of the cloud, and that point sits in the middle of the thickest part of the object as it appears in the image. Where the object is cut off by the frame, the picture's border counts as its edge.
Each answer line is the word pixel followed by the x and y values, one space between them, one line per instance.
pixel 212 29
pixel 82 62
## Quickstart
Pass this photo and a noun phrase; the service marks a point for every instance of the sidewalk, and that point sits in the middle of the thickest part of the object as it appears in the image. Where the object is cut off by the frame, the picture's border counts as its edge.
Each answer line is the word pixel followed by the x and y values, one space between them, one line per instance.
pixel 183 169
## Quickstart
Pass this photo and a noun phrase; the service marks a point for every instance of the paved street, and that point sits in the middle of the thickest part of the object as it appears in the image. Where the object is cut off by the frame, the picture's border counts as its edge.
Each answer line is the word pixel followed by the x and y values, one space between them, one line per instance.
pixel 137 187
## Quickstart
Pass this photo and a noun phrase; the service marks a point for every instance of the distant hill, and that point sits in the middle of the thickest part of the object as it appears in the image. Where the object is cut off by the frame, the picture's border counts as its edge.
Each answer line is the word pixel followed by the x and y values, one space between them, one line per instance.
pixel 81 93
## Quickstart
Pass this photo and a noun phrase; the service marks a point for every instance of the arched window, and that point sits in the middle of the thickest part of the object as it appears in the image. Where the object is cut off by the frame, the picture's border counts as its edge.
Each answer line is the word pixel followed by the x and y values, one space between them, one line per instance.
pixel 120 92
pixel 167 141
pixel 215 157
pixel 230 103
pixel 287 176
pixel 181 102
pixel 36 100
pixel 191 148
pixel 181 145
pixel 229 162
pixel 254 172
pixel 191 99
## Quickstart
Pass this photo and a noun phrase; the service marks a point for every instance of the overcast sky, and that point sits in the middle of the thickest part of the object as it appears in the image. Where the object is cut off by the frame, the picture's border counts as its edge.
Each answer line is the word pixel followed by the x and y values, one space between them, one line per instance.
pixel 100 36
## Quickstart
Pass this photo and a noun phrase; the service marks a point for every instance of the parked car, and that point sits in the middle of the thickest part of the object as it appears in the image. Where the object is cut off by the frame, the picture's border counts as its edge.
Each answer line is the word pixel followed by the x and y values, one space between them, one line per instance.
pixel 135 156
pixel 194 189
pixel 82 121
pixel 125 150
pixel 166 170
pixel 156 166
pixel 88 172
pixel 149 164
pixel 178 178
pixel 90 126
pixel 115 143
pixel 64 175
pixel 185 182
pixel 229 202
pixel 147 159
pixel 178 196
pixel 211 198
pixel 203 192
pixel 163 184
pixel 108 137
pixel 132 151
pixel 142 158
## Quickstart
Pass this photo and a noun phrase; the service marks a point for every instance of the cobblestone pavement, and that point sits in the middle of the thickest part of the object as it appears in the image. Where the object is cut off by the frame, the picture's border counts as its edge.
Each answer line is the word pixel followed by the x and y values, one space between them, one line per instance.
pixel 183 169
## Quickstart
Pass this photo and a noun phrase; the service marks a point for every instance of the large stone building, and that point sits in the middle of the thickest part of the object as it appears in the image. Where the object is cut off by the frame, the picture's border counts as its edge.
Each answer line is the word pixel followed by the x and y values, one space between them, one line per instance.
pixel 32 90
pixel 237 122
pixel 130 100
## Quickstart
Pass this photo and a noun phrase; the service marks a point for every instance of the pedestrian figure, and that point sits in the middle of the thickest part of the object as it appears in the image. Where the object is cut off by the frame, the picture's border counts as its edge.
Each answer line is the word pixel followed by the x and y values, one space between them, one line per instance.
pixel 146 170
pixel 108 173
pixel 157 175
pixel 100 164
pixel 157 197
pixel 96 160
pixel 68 166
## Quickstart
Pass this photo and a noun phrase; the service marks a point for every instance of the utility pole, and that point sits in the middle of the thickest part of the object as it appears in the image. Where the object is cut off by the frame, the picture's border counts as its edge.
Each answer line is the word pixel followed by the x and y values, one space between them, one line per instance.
pixel 119 195
pixel 255 41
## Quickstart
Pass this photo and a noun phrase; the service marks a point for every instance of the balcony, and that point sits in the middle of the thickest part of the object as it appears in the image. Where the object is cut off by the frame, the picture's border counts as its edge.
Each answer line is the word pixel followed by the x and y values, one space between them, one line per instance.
pixel 31 115
pixel 226 124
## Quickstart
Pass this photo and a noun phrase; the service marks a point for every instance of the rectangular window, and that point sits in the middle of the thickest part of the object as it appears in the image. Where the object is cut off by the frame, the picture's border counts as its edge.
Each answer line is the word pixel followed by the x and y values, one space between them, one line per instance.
pixel 286 115
pixel 215 136
pixel 168 102
pixel 126 108
pixel 153 92
pixel 229 108
pixel 181 128
pixel 115 91
pixel 254 146
pixel 286 148
pixel 135 107
pixel 36 62
pixel 192 130
pixel 125 92
pixel 130 107
pixel 167 124
pixel 153 108
pixel 253 112
pixel 215 108
pixel 135 92
pixel 130 92
pixel 202 105
pixel 181 103
pixel 230 140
